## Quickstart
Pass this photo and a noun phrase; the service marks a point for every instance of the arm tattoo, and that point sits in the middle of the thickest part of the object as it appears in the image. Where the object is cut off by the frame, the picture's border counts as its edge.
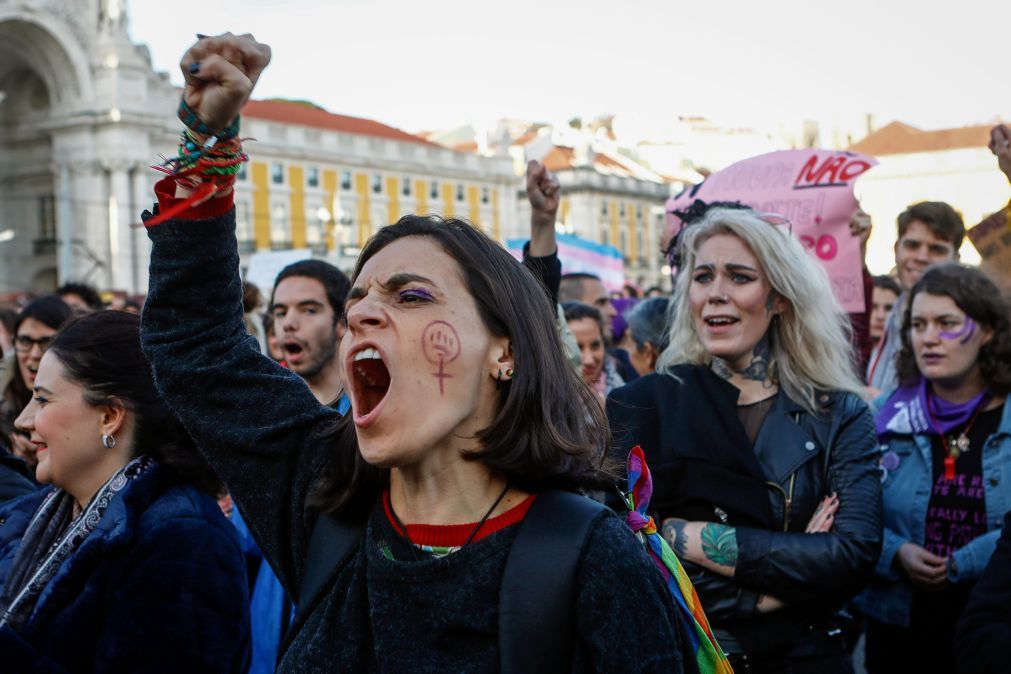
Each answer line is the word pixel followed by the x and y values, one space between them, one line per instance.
pixel 719 544
pixel 674 534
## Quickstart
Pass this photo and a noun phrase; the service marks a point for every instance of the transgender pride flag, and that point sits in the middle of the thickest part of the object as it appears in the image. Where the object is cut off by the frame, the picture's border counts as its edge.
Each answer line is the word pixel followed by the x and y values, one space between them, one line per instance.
pixel 582 256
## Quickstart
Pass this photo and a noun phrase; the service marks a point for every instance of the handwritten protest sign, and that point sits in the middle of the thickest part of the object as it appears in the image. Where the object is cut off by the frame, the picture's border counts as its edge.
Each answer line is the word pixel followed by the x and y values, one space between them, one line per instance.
pixel 811 188
pixel 992 238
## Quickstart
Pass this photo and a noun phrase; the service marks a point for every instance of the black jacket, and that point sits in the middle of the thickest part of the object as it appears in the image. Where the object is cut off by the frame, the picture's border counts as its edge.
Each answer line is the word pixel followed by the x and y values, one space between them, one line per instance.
pixel 15 478
pixel 984 630
pixel 705 469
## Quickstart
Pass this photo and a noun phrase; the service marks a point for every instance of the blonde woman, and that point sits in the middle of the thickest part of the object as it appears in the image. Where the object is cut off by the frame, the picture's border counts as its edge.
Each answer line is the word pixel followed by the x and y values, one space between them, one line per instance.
pixel 763 454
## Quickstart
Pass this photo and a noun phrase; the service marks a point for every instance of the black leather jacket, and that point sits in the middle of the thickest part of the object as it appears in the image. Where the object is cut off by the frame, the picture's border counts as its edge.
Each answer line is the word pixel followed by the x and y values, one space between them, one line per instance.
pixel 705 469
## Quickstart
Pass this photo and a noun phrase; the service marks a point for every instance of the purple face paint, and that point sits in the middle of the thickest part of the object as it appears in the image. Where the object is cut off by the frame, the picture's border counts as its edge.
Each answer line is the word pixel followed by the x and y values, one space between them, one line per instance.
pixel 966 333
pixel 441 345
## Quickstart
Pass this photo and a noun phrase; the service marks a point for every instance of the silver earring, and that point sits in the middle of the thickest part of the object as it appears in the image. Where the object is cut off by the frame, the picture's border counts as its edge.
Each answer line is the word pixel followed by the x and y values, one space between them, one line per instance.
pixel 108 441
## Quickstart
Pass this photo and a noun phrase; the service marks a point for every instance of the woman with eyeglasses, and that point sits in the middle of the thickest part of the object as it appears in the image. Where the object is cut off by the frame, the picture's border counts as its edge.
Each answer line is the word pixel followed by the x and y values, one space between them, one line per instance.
pixel 763 454
pixel 36 325
pixel 946 442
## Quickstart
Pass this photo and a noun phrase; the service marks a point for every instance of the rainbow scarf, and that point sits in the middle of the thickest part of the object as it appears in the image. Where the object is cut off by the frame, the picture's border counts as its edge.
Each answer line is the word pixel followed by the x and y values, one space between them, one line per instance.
pixel 708 654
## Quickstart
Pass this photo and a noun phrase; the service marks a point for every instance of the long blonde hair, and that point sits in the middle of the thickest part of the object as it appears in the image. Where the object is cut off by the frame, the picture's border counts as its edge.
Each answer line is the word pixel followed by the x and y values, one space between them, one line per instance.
pixel 810 340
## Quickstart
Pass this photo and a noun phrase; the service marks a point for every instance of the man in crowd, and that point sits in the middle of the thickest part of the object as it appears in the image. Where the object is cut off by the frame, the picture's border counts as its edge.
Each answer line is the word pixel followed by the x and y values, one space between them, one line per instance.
pixel 307 305
pixel 80 297
pixel 929 232
pixel 588 289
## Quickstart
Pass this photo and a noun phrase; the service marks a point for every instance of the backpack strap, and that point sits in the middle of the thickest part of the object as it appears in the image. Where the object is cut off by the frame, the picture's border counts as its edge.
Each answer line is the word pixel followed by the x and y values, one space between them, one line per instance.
pixel 331 544
pixel 538 592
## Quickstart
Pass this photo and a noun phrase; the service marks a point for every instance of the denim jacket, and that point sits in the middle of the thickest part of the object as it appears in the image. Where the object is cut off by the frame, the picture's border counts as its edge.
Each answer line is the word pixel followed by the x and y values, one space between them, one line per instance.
pixel 907 491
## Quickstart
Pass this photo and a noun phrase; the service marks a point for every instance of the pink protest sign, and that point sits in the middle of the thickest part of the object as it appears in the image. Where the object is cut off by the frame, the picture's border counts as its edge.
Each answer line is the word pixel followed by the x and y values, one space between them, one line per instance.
pixel 814 190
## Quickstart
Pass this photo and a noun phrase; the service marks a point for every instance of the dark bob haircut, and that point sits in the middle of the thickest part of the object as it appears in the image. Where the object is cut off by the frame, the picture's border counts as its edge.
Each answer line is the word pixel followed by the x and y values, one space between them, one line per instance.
pixel 101 353
pixel 975 294
pixel 548 431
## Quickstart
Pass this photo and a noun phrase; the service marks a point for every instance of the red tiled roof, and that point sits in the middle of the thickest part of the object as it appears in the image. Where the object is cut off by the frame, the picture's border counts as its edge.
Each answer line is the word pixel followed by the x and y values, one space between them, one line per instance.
pixel 525 138
pixel 899 138
pixel 558 159
pixel 288 112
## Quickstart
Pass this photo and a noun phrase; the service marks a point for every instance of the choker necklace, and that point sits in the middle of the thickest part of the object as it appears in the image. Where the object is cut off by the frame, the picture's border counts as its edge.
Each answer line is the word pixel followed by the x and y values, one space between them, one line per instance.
pixel 473 533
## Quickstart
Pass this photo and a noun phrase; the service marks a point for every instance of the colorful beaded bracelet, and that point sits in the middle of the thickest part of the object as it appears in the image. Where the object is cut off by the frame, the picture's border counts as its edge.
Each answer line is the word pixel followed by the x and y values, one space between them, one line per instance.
pixel 192 122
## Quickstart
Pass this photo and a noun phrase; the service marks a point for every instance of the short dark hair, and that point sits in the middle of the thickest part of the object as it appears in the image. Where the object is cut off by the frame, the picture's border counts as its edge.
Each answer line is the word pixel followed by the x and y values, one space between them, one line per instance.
pixel 575 311
pixel 548 430
pixel 101 352
pixel 939 217
pixel 335 282
pixel 572 283
pixel 84 291
pixel 886 282
pixel 52 312
pixel 980 298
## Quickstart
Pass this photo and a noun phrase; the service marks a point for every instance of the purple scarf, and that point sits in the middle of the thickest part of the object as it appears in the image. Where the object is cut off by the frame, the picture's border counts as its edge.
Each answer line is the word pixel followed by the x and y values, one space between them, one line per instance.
pixel 908 411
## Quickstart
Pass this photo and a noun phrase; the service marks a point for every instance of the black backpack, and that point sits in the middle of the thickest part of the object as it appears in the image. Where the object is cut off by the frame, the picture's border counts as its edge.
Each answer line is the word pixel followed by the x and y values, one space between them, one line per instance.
pixel 536 602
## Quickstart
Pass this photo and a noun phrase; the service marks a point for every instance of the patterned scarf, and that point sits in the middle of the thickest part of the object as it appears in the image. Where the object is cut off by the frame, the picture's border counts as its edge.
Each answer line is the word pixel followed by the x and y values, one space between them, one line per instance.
pixel 52 536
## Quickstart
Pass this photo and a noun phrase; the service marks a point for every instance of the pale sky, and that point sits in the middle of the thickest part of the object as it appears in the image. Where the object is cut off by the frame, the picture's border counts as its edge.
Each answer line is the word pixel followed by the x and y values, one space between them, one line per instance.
pixel 443 63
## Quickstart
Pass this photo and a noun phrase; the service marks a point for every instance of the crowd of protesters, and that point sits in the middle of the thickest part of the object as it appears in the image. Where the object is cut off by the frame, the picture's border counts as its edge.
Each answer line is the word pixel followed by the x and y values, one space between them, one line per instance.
pixel 430 465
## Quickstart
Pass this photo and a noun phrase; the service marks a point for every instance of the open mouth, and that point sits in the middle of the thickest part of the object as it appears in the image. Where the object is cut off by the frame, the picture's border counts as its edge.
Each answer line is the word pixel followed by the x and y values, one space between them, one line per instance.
pixel 292 349
pixel 371 380
pixel 717 321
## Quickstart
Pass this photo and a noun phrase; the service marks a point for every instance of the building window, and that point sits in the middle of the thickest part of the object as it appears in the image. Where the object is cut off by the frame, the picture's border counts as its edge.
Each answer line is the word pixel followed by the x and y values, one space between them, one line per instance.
pixel 312 177
pixel 603 208
pixel 638 245
pixel 605 236
pixel 242 175
pixel 405 188
pixel 243 226
pixel 280 228
pixel 433 189
pixel 485 196
pixel 377 183
pixel 315 222
pixel 621 210
pixel 47 218
pixel 347 232
pixel 346 180
pixel 638 212
pixel 459 192
pixel 277 173
pixel 624 243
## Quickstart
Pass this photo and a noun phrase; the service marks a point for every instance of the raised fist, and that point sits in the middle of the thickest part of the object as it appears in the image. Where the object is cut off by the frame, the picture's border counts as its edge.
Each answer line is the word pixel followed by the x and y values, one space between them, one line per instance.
pixel 220 74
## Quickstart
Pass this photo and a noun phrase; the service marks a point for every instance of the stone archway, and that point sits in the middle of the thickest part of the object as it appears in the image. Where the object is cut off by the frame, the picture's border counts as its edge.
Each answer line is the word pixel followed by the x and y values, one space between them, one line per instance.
pixel 43 77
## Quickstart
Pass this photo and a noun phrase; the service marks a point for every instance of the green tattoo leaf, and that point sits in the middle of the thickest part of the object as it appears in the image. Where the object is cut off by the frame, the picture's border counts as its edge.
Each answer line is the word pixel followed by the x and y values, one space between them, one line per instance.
pixel 719 544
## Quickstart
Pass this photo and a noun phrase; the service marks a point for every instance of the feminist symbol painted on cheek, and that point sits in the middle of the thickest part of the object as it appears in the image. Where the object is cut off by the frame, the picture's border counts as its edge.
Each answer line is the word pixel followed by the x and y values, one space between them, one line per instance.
pixel 966 333
pixel 441 346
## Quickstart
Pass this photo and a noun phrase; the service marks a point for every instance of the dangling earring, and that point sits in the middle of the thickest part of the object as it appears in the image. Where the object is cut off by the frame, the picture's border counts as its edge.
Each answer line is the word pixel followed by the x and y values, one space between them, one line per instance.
pixel 108 441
